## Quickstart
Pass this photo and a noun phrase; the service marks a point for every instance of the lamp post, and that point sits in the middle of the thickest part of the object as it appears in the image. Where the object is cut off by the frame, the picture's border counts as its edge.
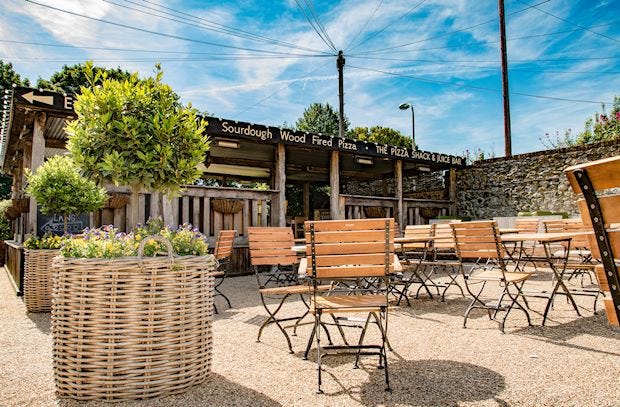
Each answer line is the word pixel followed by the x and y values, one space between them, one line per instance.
pixel 405 106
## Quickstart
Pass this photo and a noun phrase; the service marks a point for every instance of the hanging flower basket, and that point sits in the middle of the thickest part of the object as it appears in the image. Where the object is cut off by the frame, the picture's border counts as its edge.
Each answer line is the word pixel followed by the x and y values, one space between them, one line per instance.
pixel 132 327
pixel 117 201
pixel 375 212
pixel 429 213
pixel 38 279
pixel 227 206
pixel 12 213
pixel 21 204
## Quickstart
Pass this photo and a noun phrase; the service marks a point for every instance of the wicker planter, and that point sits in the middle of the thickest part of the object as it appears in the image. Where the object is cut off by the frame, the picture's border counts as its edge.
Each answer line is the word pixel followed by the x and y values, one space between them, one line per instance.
pixel 227 206
pixel 429 213
pixel 38 279
pixel 21 204
pixel 131 328
pixel 375 212
pixel 117 201
pixel 12 213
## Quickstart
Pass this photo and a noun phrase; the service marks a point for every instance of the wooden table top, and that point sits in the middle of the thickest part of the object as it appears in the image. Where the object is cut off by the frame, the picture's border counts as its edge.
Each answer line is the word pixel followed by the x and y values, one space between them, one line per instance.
pixel 540 237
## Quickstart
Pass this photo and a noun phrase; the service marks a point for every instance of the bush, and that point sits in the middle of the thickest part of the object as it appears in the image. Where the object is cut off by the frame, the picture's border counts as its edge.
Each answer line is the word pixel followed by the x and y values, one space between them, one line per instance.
pixel 5 223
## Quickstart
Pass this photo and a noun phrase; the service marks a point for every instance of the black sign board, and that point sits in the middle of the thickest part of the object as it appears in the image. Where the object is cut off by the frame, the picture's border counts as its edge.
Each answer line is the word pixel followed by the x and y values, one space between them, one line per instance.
pixel 45 99
pixel 273 135
pixel 55 224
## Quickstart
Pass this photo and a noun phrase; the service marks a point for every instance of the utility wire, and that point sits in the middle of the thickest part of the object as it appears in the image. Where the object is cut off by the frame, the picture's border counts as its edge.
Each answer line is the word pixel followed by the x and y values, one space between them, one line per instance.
pixel 451 32
pixel 365 24
pixel 145 59
pixel 156 32
pixel 417 78
pixel 208 25
pixel 316 30
pixel 411 10
pixel 487 62
pixel 569 22
pixel 319 23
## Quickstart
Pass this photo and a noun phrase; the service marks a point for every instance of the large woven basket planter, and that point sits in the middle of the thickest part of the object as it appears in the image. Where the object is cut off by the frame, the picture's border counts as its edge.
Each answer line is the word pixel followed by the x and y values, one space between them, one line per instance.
pixel 227 206
pixel 38 279
pixel 131 328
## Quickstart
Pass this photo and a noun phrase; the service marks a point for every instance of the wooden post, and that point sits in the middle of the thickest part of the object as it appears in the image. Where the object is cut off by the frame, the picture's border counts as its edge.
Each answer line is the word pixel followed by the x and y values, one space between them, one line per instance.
pixel 278 214
pixel 398 181
pixel 36 159
pixel 306 198
pixel 155 204
pixel 505 94
pixel 334 183
pixel 166 204
pixel 452 191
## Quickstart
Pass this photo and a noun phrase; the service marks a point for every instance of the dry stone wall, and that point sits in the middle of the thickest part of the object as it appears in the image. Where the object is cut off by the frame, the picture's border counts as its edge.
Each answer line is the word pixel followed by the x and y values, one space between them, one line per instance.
pixel 524 182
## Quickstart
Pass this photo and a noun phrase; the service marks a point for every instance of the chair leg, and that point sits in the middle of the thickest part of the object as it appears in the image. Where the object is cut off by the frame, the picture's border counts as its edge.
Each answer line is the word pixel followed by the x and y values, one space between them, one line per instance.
pixel 384 353
pixel 474 301
pixel 360 341
pixel 273 319
pixel 317 322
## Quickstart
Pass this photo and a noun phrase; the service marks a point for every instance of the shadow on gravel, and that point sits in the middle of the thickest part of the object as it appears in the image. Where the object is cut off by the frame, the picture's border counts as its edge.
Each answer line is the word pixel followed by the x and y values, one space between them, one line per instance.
pixel 42 321
pixel 215 391
pixel 560 334
pixel 433 383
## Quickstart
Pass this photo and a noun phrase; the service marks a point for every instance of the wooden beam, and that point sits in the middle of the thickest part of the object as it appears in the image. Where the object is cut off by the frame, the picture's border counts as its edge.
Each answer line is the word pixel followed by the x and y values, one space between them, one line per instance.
pixel 452 191
pixel 398 181
pixel 37 153
pixel 334 183
pixel 306 200
pixel 278 214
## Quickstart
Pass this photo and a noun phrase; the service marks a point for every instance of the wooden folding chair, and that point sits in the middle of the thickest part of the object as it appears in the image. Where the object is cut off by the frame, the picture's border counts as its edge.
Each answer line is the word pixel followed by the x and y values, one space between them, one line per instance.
pixel 356 249
pixel 412 255
pixel 597 182
pixel 223 254
pixel 479 242
pixel 271 251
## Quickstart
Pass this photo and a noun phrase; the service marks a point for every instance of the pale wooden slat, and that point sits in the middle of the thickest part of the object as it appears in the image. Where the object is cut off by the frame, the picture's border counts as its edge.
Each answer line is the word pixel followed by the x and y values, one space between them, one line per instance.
pixel 344 260
pixel 346 236
pixel 610 206
pixel 352 271
pixel 349 248
pixel 206 215
pixel 348 225
pixel 604 173
pixel 196 211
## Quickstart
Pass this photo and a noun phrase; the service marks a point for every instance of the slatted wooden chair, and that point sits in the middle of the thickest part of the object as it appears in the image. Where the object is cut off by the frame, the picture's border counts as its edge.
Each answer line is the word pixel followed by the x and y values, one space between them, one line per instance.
pixel 479 242
pixel 411 256
pixel 358 249
pixel 276 266
pixel 527 224
pixel 223 254
pixel 599 204
pixel 580 260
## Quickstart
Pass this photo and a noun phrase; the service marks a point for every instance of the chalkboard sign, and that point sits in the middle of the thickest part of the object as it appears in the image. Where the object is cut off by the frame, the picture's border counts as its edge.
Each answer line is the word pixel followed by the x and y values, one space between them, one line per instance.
pixel 55 223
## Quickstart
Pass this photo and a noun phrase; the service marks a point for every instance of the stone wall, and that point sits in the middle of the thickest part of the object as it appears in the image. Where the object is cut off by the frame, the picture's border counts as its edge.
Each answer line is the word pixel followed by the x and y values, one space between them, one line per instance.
pixel 524 182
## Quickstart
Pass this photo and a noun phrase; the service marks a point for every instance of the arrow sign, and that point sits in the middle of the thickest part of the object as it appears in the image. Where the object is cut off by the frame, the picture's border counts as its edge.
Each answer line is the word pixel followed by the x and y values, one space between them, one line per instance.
pixel 31 97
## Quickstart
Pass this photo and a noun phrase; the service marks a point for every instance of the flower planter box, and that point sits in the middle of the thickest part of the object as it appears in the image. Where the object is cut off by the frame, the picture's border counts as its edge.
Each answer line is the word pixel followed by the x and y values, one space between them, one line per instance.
pixel 38 279
pixel 133 327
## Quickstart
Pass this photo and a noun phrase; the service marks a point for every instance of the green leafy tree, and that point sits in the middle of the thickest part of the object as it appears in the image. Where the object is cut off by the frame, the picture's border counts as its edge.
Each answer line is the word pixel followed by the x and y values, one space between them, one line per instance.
pixel 320 118
pixel 136 132
pixel 59 188
pixel 5 223
pixel 8 77
pixel 70 79
pixel 380 135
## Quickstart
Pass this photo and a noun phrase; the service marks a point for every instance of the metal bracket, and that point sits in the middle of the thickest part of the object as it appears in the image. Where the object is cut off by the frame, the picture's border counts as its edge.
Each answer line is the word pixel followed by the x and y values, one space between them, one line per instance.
pixel 598 224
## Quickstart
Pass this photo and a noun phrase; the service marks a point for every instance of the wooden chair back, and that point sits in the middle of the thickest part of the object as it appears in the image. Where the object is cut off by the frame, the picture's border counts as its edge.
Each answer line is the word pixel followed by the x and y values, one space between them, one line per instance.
pixel 418 231
pixel 596 182
pixel 527 224
pixel 443 237
pixel 271 246
pixel 224 244
pixel 478 240
pixel 353 248
pixel 570 225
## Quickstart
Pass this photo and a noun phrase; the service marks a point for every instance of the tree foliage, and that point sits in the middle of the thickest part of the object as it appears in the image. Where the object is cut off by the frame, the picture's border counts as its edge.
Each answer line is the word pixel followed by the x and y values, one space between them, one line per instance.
pixel 70 79
pixel 59 188
pixel 380 135
pixel 8 77
pixel 320 118
pixel 135 132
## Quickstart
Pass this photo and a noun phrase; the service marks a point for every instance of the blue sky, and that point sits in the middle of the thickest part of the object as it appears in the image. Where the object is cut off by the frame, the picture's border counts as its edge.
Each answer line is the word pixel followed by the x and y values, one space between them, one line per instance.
pixel 440 55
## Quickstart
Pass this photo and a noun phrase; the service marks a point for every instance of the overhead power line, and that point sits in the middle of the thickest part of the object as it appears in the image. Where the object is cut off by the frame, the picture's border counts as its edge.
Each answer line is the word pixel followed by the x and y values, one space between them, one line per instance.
pixel 417 78
pixel 315 27
pixel 365 24
pixel 451 32
pixel 207 25
pixel 569 22
pixel 319 23
pixel 177 37
pixel 487 61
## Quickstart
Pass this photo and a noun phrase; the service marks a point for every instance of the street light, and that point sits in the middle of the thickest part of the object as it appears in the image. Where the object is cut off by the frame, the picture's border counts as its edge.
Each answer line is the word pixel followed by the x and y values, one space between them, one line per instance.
pixel 405 106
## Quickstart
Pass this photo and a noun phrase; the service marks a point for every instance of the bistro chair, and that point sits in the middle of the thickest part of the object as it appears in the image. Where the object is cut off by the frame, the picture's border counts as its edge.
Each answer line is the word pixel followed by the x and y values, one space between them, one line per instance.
pixel 479 242
pixel 527 250
pixel 223 254
pixel 412 255
pixel 345 250
pixel 597 182
pixel 275 265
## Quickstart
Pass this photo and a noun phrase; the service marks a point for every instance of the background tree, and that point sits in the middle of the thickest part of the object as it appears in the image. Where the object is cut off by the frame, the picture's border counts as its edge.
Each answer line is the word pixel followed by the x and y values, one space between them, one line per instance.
pixel 71 78
pixel 136 132
pixel 8 77
pixel 380 135
pixel 320 118
pixel 59 188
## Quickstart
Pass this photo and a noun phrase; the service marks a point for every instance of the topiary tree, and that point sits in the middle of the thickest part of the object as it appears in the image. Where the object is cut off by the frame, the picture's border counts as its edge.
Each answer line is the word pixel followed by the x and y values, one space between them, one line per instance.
pixel 58 187
pixel 136 132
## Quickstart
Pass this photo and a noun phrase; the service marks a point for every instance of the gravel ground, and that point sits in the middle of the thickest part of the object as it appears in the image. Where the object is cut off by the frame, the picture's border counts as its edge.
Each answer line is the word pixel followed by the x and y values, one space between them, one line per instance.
pixel 573 361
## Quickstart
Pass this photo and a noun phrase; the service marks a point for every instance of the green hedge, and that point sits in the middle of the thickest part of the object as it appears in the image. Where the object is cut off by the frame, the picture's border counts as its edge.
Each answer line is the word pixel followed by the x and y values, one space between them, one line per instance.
pixel 565 215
